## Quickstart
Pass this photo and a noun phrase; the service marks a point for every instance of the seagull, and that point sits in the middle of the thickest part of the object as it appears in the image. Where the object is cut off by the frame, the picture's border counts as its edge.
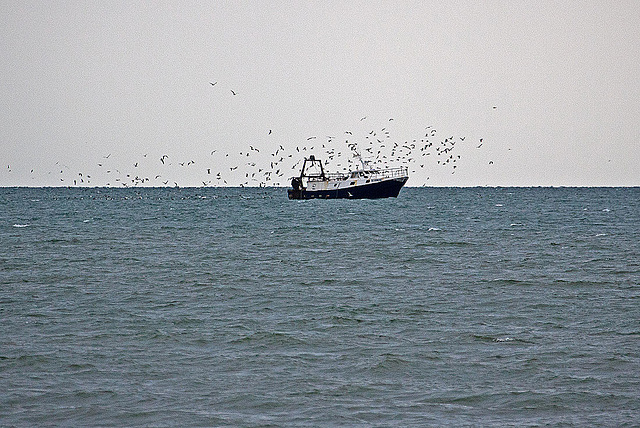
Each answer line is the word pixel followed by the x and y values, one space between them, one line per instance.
pixel 233 92
pixel 213 83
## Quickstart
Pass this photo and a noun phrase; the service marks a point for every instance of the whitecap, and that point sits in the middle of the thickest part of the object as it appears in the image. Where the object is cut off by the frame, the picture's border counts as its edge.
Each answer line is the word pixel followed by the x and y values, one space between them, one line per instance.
pixel 601 234
pixel 516 224
pixel 606 210
pixel 434 229
pixel 499 205
pixel 21 225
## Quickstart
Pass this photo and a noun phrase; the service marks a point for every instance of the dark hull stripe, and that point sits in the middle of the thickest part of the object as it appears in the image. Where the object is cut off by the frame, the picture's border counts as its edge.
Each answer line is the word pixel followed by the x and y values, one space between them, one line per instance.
pixel 383 189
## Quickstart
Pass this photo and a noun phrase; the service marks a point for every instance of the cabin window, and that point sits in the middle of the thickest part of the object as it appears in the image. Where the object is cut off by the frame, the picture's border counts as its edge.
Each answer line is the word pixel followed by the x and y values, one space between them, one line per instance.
pixel 352 183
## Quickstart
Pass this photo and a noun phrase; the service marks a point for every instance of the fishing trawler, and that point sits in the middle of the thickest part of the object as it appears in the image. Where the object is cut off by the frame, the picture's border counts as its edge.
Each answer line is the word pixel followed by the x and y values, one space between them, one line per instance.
pixel 364 183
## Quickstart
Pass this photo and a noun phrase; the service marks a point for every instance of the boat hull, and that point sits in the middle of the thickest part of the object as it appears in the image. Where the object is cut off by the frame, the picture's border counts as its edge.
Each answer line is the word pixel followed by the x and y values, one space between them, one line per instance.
pixel 383 189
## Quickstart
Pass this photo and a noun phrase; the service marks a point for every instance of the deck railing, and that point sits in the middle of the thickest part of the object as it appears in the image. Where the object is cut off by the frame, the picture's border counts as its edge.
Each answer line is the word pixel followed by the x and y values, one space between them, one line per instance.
pixel 402 171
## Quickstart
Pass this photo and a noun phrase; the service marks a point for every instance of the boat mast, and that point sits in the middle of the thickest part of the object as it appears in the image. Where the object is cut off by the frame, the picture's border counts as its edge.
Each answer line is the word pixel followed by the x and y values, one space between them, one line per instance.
pixel 313 161
pixel 362 161
pixel 322 176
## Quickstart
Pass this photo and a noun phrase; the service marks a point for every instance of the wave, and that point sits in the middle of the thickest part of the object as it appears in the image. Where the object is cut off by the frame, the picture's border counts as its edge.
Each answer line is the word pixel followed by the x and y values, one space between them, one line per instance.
pixel 628 333
pixel 510 281
pixel 389 362
pixel 578 283
pixel 81 367
pixel 452 244
pixel 337 320
pixel 499 339
pixel 28 360
pixel 264 338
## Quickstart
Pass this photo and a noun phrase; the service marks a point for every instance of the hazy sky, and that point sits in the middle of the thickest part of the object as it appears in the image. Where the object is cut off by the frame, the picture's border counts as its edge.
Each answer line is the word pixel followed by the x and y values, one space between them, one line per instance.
pixel 87 83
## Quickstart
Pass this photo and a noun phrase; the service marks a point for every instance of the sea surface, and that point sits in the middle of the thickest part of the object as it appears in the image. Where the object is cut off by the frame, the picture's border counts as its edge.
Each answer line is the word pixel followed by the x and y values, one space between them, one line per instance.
pixel 238 307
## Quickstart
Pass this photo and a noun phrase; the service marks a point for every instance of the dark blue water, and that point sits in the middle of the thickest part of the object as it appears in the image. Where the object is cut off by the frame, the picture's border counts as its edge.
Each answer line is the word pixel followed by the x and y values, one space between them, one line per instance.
pixel 210 307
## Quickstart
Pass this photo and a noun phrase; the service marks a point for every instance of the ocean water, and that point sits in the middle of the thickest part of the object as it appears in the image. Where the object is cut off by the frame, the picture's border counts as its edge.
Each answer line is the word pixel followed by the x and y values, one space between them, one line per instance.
pixel 238 307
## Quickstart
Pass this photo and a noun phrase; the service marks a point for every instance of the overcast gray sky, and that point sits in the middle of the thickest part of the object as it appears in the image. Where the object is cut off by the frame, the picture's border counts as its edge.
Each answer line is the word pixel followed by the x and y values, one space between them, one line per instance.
pixel 87 87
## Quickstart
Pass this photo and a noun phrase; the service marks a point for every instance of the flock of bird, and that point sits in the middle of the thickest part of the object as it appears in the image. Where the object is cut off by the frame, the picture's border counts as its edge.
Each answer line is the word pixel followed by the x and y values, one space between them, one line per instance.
pixel 274 163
